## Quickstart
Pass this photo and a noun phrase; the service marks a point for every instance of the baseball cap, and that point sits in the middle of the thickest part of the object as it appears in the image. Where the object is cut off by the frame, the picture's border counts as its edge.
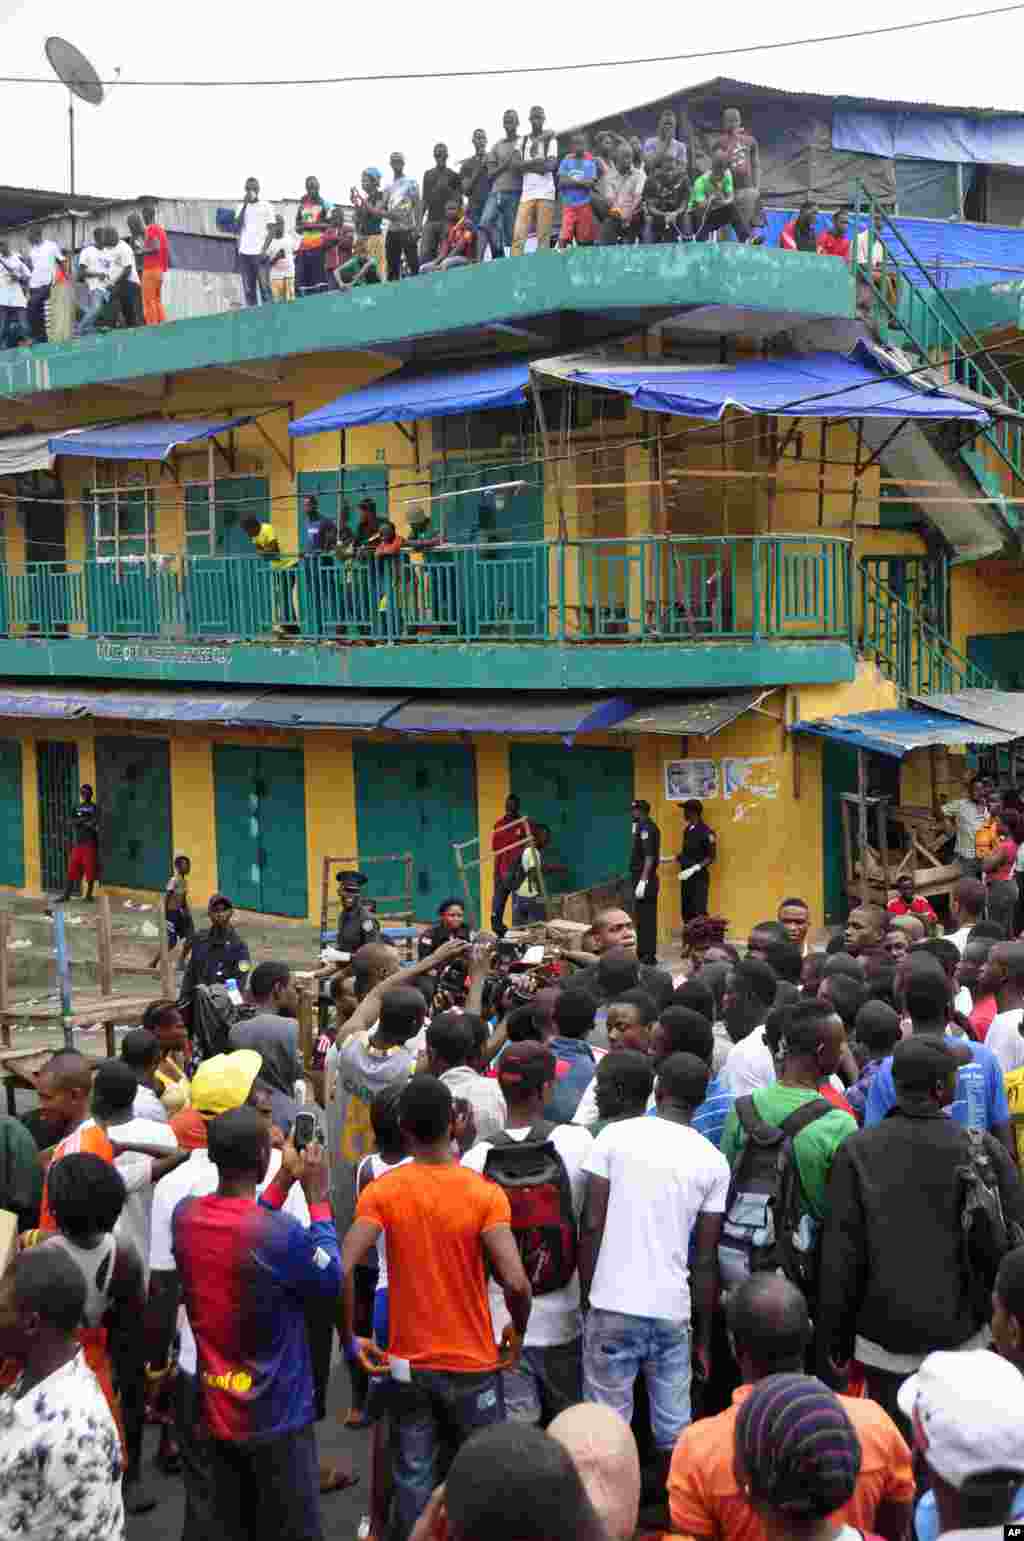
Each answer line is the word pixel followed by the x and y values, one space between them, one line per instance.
pixel 526 1066
pixel 967 1409
pixel 225 1081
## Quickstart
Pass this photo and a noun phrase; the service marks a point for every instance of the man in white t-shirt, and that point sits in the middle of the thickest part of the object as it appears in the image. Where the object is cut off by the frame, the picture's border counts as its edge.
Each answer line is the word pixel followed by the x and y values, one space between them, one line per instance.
pixel 14 273
pixel 547 1378
pixel 94 273
pixel 536 211
pixel 281 261
pixel 44 258
pixel 749 996
pixel 657 1188
pixel 221 1084
pixel 1003 977
pixel 125 288
pixel 255 220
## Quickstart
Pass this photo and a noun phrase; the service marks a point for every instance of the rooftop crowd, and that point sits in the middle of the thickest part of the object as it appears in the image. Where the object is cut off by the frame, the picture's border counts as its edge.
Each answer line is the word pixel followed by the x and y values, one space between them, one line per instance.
pixel 516 193
pixel 729 1248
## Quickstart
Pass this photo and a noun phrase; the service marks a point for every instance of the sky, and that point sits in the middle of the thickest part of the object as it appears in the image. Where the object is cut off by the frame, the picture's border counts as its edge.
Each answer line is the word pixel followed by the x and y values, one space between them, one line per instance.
pixel 204 143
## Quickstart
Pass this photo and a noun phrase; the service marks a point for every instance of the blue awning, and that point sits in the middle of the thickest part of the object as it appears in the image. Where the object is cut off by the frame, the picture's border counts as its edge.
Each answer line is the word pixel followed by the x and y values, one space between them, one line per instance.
pixel 245 708
pixel 897 734
pixel 521 712
pixel 149 440
pixel 822 385
pixel 409 395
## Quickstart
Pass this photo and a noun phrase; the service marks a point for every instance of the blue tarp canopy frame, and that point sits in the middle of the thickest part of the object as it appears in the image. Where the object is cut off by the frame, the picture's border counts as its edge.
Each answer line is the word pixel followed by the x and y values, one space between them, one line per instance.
pixel 521 712
pixel 820 385
pixel 410 395
pixel 152 439
pixel 899 733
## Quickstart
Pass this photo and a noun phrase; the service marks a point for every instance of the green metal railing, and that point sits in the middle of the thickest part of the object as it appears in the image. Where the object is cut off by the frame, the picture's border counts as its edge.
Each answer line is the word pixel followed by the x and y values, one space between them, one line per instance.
pixel 908 651
pixel 906 299
pixel 648 589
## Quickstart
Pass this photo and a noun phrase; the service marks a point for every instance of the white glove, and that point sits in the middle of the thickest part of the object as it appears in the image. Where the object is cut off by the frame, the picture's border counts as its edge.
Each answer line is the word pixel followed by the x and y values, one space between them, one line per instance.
pixel 688 872
pixel 641 888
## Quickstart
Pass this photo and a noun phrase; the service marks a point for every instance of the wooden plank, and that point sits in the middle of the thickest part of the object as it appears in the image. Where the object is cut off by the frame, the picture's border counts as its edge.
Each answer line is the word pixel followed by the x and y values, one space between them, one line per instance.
pixel 305 1021
pixel 8 1239
pixel 165 968
pixel 104 950
pixel 5 979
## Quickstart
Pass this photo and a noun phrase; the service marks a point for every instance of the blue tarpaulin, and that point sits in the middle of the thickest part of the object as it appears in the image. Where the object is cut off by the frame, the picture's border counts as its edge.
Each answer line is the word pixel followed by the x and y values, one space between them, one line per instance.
pixel 930 136
pixel 809 385
pixel 149 440
pixel 896 733
pixel 410 395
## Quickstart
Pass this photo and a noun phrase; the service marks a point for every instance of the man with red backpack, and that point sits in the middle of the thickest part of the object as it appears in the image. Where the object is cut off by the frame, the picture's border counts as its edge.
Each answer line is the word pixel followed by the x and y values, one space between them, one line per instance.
pixel 539 1165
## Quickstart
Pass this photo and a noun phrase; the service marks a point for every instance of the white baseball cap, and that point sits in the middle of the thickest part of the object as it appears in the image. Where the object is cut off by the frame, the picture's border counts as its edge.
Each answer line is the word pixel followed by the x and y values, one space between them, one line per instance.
pixel 967 1409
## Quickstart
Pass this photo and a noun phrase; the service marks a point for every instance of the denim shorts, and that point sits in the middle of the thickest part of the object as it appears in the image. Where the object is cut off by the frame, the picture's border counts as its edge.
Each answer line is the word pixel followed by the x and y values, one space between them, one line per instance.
pixel 617 1347
pixel 544 1383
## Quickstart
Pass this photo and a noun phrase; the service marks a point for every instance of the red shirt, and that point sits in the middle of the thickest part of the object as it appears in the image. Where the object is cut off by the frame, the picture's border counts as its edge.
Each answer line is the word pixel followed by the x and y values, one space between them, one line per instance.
pixel 982 1015
pixel 831 245
pixel 828 1091
pixel 459 241
pixel 917 906
pixel 156 261
pixel 507 832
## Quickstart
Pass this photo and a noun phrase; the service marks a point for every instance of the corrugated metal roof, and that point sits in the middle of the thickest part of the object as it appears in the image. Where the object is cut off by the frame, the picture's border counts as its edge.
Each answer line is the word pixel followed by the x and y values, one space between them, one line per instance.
pixel 323 709
pixel 701 716
pixel 727 83
pixel 523 712
pixel 897 734
pixel 1002 709
pixel 275 708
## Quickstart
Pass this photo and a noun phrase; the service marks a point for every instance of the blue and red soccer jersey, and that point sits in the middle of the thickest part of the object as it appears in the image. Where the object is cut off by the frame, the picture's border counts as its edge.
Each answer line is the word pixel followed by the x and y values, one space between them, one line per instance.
pixel 246 1272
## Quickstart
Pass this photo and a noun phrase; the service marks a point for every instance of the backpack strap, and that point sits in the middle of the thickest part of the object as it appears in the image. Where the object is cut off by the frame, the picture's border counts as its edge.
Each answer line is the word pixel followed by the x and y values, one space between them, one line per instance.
pixel 808 1113
pixel 757 1128
pixel 535 1135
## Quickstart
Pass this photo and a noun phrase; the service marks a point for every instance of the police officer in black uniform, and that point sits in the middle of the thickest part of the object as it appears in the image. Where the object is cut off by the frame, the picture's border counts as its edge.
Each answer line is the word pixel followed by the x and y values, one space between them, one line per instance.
pixel 357 924
pixel 698 850
pixel 643 871
pixel 218 953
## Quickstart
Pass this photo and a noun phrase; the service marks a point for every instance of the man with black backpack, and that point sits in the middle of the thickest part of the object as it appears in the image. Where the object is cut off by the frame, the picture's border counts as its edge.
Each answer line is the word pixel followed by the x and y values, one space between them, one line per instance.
pixel 539 1166
pixel 780 1142
pixel 919 1209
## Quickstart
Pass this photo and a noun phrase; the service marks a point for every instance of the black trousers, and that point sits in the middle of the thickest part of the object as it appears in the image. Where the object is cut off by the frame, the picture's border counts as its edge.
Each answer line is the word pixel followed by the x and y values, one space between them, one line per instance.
pixel 645 916
pixel 267 1489
pixel 715 217
pixel 503 887
pixel 36 308
pixel 693 895
pixel 395 243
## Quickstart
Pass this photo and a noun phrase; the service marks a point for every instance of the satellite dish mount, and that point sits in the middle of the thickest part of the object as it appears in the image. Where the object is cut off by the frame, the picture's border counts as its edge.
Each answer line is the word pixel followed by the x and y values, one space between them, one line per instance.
pixel 73 68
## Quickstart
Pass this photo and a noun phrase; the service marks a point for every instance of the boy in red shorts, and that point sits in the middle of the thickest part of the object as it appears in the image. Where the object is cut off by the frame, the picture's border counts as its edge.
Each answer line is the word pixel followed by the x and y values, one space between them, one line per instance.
pixel 84 861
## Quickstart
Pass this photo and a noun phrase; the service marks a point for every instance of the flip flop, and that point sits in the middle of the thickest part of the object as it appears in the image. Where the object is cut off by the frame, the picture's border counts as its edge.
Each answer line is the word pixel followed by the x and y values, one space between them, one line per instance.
pixel 333 1479
pixel 354 1419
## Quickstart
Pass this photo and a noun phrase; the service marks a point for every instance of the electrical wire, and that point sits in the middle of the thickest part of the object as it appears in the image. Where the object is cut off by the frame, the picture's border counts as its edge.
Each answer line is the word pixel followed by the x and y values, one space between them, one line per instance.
pixel 547 69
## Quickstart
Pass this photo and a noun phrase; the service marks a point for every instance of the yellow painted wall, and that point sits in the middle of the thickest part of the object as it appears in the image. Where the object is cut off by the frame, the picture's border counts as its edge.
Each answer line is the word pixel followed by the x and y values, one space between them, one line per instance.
pixel 987 598
pixel 770 844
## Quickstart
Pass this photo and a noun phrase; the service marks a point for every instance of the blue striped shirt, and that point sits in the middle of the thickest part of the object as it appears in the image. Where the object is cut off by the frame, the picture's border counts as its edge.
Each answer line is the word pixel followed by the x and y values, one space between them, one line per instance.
pixel 709 1119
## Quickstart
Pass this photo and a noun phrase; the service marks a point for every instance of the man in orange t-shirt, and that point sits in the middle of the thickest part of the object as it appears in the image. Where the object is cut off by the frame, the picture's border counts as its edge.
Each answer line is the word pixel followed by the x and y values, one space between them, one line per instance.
pixel 156 259
pixel 770 1331
pixel 442 1223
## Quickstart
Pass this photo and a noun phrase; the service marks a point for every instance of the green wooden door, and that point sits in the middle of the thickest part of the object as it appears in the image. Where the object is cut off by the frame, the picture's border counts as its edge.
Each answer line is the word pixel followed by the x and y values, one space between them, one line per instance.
pixel 417 799
pixel 12 815
pixel 584 796
pixel 838 775
pixel 505 516
pixel 338 490
pixel 260 812
pixel 133 789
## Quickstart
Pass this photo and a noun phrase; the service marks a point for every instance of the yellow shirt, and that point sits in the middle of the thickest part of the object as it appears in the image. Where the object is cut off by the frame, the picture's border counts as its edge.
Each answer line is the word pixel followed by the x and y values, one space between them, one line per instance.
pixel 986 840
pixel 1014 1080
pixel 265 542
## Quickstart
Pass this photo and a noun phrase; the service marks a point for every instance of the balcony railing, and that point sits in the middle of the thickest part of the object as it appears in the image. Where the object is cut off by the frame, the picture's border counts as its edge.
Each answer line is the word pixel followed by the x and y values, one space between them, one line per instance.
pixel 682 589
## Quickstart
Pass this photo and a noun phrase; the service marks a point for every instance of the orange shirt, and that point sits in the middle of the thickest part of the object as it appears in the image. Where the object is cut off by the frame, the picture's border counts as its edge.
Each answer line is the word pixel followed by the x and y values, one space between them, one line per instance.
pixel 433 1218
pixel 704 1499
pixel 89 1140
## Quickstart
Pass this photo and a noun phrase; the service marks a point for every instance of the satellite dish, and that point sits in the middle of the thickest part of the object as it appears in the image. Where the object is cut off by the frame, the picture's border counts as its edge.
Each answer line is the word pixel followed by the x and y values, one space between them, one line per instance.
pixel 74 69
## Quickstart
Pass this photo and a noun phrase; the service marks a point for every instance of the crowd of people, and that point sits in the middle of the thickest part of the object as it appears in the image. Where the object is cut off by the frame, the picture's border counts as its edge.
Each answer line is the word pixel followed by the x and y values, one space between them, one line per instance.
pixel 514 193
pixel 728 1249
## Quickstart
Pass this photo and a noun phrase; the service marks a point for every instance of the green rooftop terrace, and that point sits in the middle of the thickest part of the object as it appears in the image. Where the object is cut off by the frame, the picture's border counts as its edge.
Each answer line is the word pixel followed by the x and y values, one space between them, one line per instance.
pixel 550 302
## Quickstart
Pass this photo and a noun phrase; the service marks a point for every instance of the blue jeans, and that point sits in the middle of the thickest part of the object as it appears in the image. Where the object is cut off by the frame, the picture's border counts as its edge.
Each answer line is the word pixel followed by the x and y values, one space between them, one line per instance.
pixel 544 1383
pixel 498 220
pixel 436 1410
pixel 616 1347
pixel 13 326
pixel 255 279
pixel 95 302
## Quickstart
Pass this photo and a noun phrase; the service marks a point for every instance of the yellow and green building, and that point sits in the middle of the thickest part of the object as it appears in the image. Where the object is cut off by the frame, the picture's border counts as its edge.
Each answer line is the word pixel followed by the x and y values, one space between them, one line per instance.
pixel 626 602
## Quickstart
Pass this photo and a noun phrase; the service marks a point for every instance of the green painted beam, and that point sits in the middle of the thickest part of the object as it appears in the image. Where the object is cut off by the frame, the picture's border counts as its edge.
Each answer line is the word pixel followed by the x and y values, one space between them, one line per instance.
pixel 432 666
pixel 610 289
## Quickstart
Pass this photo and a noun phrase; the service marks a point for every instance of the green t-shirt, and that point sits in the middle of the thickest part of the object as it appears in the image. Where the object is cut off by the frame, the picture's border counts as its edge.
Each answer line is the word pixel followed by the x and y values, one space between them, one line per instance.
pixel 354 265
pixel 814 1147
pixel 705 186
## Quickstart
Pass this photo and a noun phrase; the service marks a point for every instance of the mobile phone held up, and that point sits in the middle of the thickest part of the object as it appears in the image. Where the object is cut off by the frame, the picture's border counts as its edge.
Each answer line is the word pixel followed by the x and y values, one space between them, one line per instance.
pixel 304 1130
